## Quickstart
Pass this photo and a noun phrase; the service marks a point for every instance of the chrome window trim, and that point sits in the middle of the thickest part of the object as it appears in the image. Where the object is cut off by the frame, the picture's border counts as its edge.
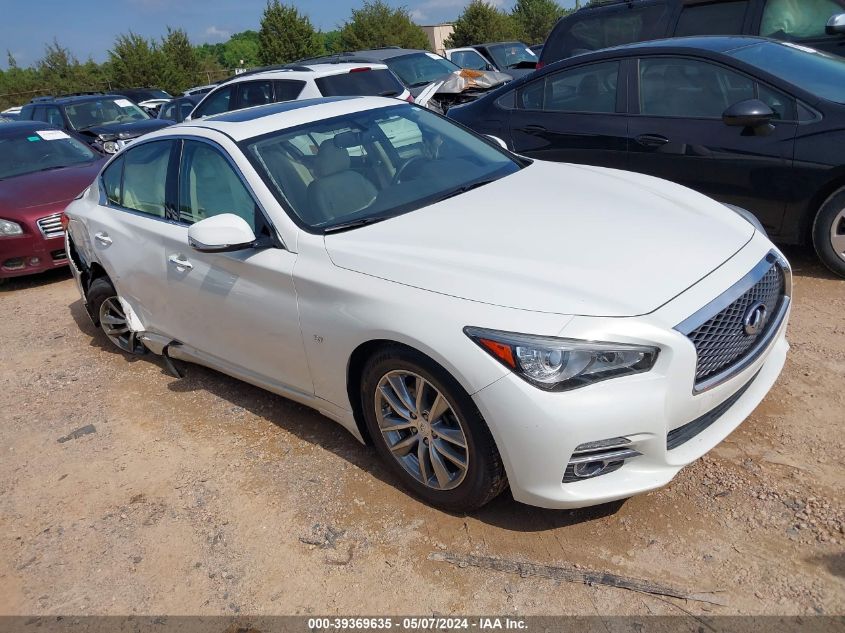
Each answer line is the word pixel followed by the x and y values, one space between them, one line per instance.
pixel 721 302
pixel 103 201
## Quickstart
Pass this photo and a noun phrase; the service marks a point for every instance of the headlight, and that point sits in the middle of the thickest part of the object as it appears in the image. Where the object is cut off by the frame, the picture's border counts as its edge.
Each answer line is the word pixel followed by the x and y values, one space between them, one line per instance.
pixel 8 228
pixel 110 147
pixel 560 364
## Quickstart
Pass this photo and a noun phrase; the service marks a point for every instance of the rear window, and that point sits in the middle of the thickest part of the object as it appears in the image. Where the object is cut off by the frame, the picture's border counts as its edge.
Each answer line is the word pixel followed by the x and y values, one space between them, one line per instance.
pixel 594 29
pixel 376 82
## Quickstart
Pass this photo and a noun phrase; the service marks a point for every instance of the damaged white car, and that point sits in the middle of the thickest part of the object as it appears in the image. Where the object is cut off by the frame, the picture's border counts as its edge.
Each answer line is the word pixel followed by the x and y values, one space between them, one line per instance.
pixel 577 334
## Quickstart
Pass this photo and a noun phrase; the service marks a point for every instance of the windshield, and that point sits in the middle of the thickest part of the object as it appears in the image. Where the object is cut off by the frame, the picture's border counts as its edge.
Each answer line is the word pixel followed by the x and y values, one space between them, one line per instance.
pixel 419 69
pixel 511 55
pixel 103 112
pixel 373 165
pixel 43 150
pixel 807 68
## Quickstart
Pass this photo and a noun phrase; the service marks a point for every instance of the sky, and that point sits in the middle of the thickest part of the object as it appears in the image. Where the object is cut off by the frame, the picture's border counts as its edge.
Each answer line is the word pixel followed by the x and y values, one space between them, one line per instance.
pixel 88 27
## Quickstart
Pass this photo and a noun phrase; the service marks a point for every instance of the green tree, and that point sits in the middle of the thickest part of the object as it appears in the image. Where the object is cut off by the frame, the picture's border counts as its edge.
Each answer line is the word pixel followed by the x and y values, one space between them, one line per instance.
pixel 286 35
pixel 535 18
pixel 135 62
pixel 242 49
pixel 331 41
pixel 482 22
pixel 180 62
pixel 376 24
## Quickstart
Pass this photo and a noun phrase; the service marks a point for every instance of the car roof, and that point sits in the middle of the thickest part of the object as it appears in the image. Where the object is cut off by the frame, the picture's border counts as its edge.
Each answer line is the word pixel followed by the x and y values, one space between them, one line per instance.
pixel 714 43
pixel 301 71
pixel 67 99
pixel 258 120
pixel 14 128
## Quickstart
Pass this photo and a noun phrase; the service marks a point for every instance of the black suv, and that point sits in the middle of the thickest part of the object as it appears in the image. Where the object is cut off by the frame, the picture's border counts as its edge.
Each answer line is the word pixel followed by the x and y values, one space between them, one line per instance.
pixel 819 24
pixel 106 122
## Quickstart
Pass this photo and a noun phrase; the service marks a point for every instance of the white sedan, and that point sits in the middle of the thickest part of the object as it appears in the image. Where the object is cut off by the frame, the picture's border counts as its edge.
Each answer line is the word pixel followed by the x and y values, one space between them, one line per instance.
pixel 575 333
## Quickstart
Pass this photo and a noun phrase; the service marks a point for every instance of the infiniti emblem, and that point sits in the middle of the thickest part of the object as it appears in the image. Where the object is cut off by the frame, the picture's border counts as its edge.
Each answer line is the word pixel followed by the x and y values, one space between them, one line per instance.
pixel 755 319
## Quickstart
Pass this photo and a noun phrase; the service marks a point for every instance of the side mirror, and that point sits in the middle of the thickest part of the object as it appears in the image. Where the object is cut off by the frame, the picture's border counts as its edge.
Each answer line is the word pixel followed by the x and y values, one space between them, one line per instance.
pixel 750 113
pixel 499 141
pixel 221 233
pixel 835 25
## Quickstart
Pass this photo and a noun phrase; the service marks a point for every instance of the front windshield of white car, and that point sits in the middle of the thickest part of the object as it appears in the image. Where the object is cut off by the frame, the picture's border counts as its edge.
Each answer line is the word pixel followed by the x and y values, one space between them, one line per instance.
pixel 511 55
pixel 368 166
pixel 88 114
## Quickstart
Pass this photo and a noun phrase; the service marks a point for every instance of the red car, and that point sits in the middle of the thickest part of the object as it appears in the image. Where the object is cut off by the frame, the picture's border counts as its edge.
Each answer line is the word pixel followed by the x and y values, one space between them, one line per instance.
pixel 41 170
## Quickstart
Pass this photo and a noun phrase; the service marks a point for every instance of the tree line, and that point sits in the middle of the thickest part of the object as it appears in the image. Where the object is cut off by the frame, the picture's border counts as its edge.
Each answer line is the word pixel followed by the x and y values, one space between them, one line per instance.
pixel 173 63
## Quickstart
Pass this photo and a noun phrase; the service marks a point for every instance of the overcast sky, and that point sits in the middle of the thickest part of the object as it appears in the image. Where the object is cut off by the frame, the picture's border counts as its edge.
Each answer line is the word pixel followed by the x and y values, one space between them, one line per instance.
pixel 88 27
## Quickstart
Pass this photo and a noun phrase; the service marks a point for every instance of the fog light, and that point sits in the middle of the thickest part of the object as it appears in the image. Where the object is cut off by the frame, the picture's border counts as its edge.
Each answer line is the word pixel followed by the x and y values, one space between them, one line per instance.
pixel 588 469
pixel 601 457
pixel 34 261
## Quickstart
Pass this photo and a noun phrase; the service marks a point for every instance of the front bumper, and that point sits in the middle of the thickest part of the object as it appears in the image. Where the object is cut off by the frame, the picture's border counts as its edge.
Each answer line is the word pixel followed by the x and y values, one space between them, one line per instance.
pixel 30 253
pixel 669 424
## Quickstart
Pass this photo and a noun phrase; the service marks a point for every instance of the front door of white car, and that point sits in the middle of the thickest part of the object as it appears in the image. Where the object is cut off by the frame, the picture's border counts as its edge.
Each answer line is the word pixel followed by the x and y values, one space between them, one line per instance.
pixel 237 307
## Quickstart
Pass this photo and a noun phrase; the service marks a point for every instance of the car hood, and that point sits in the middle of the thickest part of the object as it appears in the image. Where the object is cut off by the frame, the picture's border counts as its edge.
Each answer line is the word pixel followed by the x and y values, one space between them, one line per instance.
pixel 24 196
pixel 557 238
pixel 130 129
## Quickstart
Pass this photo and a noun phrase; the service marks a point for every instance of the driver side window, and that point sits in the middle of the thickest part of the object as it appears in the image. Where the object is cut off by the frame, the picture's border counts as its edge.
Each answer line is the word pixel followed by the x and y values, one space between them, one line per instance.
pixel 798 19
pixel 215 103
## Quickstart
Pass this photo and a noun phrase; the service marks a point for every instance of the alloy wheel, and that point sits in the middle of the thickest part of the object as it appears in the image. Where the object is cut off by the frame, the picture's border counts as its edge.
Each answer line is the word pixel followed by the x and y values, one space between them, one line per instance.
pixel 422 430
pixel 116 327
pixel 837 234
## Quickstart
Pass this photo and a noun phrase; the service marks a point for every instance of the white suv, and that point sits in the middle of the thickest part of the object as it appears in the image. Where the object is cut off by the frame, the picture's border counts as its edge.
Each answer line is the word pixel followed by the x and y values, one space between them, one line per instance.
pixel 577 333
pixel 309 81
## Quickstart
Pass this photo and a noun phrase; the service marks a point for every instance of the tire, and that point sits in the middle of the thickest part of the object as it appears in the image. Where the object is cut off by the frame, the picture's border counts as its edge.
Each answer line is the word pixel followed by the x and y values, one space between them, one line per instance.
pixel 438 440
pixel 829 233
pixel 105 306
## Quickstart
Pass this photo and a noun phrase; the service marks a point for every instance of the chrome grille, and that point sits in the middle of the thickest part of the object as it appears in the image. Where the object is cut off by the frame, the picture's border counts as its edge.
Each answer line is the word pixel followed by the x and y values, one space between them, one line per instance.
pixel 51 226
pixel 721 341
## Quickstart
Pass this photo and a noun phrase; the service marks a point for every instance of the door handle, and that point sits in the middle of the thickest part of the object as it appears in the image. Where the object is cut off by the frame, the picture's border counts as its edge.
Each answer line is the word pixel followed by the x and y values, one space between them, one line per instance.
pixel 180 262
pixel 652 140
pixel 533 127
pixel 102 238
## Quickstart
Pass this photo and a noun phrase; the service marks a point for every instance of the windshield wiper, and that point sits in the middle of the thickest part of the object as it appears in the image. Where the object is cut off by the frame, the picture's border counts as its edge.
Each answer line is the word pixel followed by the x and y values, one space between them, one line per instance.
pixel 352 224
pixel 465 188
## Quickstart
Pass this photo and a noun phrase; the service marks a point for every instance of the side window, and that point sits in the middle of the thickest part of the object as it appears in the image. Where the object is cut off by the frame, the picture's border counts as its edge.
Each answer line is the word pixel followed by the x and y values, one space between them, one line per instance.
pixel 798 19
pixel 209 185
pixel 185 109
pixel 145 177
pixel 40 114
pixel 112 181
pixel 609 28
pixel 55 117
pixel 253 93
pixel 587 89
pixel 719 18
pixel 288 90
pixel 168 112
pixel 783 105
pixel 214 103
pixel 690 88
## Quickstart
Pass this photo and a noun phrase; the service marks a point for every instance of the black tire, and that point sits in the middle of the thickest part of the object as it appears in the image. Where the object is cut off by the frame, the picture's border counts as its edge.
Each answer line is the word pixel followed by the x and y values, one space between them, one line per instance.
pixel 830 213
pixel 98 293
pixel 485 474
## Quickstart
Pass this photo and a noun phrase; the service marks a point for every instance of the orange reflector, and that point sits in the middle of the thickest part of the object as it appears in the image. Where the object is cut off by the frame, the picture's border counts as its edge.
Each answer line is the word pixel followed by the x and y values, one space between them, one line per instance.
pixel 500 351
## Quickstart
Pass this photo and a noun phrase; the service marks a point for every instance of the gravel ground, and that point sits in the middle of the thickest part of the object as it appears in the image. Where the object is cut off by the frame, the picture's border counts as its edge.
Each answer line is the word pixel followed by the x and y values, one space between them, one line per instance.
pixel 208 496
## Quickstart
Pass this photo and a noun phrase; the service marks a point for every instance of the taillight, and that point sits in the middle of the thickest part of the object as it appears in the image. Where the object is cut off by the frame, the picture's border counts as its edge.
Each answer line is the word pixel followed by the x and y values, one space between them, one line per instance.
pixel 360 70
pixel 539 65
pixel 64 220
pixel 410 98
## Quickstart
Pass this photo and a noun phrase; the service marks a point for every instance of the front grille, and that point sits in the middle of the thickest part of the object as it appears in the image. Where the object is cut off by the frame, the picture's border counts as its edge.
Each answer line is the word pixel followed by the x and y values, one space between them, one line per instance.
pixel 51 226
pixel 721 341
pixel 685 433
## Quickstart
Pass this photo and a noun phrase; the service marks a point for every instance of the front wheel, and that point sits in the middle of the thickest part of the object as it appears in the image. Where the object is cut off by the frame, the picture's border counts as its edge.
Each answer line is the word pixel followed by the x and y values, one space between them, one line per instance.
pixel 429 432
pixel 103 301
pixel 829 233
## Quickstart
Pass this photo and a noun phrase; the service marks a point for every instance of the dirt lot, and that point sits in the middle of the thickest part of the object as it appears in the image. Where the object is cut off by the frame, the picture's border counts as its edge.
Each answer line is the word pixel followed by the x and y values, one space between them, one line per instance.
pixel 208 496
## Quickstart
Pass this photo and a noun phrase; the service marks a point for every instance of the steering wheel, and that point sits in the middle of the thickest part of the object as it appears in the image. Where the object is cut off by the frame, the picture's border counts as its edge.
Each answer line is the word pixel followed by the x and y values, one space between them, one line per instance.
pixel 400 173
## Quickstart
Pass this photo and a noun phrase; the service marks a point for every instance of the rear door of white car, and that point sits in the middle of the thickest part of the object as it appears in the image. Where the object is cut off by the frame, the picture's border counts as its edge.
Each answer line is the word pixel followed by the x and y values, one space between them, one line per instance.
pixel 239 307
pixel 127 227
